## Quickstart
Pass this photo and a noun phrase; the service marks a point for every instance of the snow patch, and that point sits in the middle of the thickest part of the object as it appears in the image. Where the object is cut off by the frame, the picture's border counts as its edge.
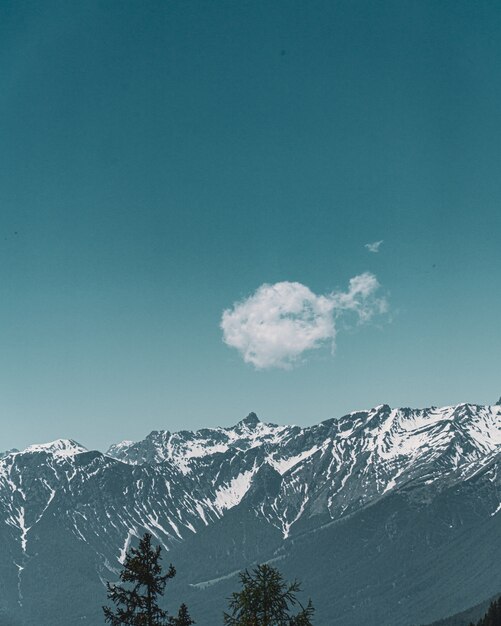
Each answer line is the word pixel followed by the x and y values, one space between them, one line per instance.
pixel 284 465
pixel 231 494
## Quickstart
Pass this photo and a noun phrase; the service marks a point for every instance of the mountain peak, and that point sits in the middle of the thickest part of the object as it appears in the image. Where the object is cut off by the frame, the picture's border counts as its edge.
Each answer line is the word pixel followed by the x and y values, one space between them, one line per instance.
pixel 59 447
pixel 251 421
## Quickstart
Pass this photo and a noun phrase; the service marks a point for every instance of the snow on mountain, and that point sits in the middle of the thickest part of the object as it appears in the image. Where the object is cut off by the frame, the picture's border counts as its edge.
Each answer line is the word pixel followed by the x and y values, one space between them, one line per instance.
pixel 231 494
pixel 182 447
pixel 293 479
pixel 332 468
pixel 59 448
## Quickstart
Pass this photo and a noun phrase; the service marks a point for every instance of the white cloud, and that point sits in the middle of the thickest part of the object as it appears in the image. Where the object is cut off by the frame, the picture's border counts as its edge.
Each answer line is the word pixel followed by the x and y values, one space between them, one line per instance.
pixel 277 324
pixel 374 246
pixel 360 298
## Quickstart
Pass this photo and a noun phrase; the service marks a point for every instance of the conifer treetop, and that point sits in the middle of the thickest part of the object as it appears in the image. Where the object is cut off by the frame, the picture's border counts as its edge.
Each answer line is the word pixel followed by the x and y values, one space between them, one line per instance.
pixel 267 600
pixel 137 601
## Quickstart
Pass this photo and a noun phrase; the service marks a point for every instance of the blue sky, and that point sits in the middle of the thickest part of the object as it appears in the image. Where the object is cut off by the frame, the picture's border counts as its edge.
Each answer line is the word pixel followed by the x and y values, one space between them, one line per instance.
pixel 162 161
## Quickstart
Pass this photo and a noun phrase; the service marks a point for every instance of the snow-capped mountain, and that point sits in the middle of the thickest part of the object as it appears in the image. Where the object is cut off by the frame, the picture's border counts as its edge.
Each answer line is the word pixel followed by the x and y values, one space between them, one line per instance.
pixel 59 448
pixel 330 468
pixel 220 498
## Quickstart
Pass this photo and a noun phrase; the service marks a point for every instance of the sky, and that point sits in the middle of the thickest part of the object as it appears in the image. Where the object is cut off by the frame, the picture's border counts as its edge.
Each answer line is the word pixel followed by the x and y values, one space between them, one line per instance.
pixel 212 208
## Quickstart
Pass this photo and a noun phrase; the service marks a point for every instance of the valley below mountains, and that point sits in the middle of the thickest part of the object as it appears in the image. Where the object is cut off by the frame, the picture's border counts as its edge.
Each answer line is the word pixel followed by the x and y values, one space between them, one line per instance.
pixel 389 517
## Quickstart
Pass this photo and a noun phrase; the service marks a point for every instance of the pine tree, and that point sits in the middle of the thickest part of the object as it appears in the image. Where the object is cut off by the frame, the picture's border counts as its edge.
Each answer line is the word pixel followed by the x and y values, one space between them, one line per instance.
pixel 493 615
pixel 267 600
pixel 183 617
pixel 137 603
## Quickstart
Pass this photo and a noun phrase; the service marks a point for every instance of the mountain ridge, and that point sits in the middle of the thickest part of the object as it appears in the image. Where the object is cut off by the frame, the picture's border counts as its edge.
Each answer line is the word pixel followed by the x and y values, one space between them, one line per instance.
pixel 266 489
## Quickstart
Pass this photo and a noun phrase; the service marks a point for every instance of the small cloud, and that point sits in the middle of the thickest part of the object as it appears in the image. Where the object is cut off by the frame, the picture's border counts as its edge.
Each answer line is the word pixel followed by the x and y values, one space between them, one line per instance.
pixel 360 298
pixel 374 246
pixel 279 323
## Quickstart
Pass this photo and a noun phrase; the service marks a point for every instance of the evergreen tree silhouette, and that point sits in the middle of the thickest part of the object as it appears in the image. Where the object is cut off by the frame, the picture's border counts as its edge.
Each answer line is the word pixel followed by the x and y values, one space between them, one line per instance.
pixel 493 615
pixel 183 617
pixel 137 603
pixel 267 600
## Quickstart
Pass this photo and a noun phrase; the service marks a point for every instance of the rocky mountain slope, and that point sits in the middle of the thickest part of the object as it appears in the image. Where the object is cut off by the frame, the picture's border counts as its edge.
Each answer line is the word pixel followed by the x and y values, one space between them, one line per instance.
pixel 374 511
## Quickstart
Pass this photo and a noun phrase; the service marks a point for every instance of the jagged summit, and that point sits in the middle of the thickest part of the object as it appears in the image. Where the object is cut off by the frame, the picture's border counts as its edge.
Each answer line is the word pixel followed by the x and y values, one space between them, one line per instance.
pixel 183 448
pixel 251 421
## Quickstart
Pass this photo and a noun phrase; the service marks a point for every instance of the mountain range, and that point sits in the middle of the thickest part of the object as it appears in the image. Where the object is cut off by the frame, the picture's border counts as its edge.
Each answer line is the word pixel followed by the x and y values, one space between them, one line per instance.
pixel 389 517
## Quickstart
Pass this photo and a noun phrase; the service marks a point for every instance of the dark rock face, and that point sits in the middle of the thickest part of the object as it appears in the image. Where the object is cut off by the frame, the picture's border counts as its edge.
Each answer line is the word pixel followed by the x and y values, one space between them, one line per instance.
pixel 380 513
